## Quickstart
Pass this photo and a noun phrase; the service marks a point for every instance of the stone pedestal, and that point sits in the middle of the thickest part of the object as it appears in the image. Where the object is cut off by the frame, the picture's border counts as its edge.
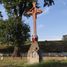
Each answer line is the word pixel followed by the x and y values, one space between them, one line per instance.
pixel 33 56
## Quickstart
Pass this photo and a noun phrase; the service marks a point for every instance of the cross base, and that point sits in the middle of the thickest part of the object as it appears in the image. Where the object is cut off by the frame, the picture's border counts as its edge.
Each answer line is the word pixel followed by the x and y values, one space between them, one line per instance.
pixel 34 54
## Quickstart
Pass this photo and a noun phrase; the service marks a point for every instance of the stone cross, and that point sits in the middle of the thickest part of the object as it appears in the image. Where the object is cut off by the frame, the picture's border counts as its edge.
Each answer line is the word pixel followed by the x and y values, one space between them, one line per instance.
pixel 34 12
pixel 33 55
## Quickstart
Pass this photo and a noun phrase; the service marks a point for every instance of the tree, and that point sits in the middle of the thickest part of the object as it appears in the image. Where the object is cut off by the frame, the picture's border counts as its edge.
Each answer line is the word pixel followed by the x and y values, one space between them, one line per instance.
pixel 48 3
pixel 17 34
pixel 14 34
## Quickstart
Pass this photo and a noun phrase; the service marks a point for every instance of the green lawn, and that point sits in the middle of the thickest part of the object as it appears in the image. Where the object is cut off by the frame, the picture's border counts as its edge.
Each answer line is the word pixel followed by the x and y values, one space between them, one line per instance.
pixel 18 62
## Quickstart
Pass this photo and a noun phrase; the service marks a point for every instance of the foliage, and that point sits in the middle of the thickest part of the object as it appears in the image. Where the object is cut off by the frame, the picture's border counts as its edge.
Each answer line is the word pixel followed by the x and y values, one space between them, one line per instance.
pixel 48 3
pixel 53 46
pixel 14 33
pixel 2 31
pixel 20 7
pixel 17 7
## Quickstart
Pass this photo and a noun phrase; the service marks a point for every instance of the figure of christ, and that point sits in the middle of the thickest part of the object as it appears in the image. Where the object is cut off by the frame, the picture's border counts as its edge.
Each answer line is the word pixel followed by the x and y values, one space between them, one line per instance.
pixel 34 12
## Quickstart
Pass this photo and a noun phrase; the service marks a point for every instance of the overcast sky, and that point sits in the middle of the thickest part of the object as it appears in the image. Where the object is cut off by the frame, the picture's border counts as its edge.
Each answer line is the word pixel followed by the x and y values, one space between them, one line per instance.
pixel 52 23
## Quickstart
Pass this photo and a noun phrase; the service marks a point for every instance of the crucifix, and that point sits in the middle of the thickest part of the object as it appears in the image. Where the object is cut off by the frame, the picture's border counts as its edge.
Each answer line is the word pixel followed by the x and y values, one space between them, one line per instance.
pixel 34 12
pixel 34 55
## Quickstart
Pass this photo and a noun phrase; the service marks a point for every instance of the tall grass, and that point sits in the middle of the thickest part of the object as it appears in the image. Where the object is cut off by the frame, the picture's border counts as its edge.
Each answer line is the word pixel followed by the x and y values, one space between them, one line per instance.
pixel 18 62
pixel 12 62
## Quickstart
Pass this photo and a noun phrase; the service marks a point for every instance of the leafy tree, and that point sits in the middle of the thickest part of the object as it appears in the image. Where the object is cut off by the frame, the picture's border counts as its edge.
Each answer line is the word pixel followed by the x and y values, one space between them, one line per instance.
pixel 17 34
pixel 48 3
pixel 14 34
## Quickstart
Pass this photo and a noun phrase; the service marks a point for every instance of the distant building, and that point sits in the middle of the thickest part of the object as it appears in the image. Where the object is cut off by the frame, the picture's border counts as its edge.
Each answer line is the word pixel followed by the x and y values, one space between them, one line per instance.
pixel 64 37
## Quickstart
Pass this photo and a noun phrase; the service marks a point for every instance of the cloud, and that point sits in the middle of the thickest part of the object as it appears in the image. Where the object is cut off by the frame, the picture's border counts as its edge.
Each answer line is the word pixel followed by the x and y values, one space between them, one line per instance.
pixel 64 3
pixel 40 26
pixel 47 9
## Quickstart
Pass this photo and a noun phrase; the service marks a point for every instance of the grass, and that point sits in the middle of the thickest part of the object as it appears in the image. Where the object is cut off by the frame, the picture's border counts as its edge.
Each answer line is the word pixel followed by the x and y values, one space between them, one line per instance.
pixel 18 62
pixel 12 62
pixel 50 64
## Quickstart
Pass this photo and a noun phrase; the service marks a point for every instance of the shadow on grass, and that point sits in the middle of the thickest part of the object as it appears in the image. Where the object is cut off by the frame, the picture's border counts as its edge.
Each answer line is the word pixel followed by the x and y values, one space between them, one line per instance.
pixel 50 64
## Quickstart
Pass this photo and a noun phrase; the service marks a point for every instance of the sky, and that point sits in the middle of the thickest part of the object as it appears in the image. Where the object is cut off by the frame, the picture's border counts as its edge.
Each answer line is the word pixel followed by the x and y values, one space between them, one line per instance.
pixel 51 24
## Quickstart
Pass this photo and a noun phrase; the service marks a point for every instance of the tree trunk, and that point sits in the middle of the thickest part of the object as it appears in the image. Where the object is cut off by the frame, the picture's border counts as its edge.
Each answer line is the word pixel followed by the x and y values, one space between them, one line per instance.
pixel 16 52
